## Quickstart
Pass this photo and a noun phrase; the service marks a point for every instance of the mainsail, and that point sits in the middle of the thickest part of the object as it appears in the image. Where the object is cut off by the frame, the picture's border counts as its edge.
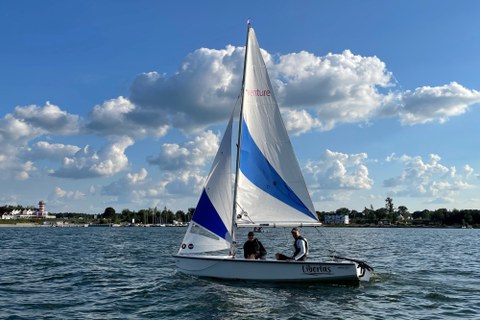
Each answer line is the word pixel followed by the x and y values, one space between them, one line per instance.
pixel 271 188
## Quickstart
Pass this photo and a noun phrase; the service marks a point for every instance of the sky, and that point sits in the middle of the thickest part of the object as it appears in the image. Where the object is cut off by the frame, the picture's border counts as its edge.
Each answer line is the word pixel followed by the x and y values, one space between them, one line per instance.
pixel 122 104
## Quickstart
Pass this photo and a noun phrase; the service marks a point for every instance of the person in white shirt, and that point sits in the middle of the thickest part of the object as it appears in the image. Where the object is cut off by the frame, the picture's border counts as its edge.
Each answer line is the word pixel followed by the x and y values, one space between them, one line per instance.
pixel 300 245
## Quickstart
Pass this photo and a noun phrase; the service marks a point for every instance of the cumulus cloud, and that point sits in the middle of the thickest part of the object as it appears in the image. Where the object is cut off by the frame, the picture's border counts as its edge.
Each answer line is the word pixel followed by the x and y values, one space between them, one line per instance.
pixel 337 170
pixel 25 124
pixel 15 130
pixel 24 170
pixel 299 121
pixel 182 173
pixel 202 92
pixel 59 193
pixel 51 151
pixel 121 117
pixel 194 153
pixel 49 118
pixel 430 178
pixel 135 178
pixel 314 92
pixel 467 170
pixel 188 182
pixel 138 188
pixel 336 88
pixel 108 161
pixel 427 104
pixel 134 187
pixel 14 136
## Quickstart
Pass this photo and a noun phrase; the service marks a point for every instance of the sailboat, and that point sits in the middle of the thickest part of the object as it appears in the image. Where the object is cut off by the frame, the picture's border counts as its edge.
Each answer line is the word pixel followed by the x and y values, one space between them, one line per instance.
pixel 268 191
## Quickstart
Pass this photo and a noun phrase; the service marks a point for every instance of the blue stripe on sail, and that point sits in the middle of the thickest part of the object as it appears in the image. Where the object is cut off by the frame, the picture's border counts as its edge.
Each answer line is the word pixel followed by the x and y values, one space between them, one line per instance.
pixel 260 172
pixel 206 216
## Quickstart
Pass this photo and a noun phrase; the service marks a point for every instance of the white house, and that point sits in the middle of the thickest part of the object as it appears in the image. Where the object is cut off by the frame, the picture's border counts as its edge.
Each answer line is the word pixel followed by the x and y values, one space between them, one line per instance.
pixel 336 219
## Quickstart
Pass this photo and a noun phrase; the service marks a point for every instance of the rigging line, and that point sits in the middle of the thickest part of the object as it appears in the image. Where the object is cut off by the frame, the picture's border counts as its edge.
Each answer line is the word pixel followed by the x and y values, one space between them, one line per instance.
pixel 329 247
pixel 285 236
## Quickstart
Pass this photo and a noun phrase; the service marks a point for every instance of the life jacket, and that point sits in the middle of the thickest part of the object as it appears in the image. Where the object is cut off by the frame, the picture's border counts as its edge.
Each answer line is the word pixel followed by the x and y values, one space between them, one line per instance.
pixel 297 248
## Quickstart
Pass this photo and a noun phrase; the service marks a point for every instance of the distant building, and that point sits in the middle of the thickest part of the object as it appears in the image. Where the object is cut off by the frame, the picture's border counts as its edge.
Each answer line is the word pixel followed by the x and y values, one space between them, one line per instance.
pixel 28 213
pixel 384 222
pixel 336 219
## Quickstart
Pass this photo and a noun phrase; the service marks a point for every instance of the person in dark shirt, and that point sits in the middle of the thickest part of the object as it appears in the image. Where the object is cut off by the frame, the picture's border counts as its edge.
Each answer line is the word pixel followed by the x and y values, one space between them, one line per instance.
pixel 253 248
pixel 300 246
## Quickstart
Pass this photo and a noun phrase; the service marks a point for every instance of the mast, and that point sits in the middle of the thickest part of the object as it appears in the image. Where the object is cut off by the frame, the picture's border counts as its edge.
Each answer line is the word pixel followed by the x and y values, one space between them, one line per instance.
pixel 233 245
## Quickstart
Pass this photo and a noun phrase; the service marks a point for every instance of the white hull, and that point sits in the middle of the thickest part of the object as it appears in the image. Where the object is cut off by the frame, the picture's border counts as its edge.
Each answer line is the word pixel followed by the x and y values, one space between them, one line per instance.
pixel 225 267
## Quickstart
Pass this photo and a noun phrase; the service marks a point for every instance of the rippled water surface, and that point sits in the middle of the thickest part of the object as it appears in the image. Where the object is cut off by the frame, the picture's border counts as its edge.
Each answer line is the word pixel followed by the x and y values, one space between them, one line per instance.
pixel 129 273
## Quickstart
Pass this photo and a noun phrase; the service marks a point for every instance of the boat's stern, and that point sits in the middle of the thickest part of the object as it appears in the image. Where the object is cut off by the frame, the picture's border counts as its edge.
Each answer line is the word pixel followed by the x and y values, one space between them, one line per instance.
pixel 364 271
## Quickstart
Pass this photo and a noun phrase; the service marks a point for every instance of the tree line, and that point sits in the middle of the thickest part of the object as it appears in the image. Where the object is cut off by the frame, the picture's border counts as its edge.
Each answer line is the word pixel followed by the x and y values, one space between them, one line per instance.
pixel 389 214
pixel 149 216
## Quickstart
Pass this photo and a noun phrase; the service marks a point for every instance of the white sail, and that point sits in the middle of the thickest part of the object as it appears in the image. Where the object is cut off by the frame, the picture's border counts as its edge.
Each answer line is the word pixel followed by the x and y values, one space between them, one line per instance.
pixel 271 188
pixel 211 225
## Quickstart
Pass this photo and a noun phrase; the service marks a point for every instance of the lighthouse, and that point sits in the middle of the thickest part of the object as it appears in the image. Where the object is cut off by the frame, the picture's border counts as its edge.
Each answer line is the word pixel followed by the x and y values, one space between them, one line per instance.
pixel 41 208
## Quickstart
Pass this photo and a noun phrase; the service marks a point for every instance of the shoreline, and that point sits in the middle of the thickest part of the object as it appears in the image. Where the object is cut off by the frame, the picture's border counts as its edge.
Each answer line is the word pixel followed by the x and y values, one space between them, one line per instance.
pixel 86 225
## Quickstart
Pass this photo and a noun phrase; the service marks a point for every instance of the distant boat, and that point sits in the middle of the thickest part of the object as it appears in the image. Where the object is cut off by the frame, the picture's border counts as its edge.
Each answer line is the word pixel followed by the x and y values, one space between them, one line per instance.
pixel 269 191
pixel 259 229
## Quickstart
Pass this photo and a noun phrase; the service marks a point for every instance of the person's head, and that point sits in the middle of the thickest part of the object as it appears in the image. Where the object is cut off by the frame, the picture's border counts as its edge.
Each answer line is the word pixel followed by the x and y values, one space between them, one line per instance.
pixel 251 236
pixel 295 232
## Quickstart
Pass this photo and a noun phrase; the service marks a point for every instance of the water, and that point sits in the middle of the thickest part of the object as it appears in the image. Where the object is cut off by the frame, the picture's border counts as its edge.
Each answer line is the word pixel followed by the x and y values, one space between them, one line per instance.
pixel 129 273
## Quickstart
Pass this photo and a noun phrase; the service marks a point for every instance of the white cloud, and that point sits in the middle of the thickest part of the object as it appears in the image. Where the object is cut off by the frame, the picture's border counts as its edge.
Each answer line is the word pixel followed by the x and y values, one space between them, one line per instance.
pixel 13 130
pixel 427 179
pixel 137 188
pixel 427 104
pixel 59 193
pixel 49 118
pixel 187 183
pixel 299 121
pixel 131 188
pixel 108 161
pixel 194 153
pixel 52 151
pixel 337 170
pixel 202 92
pixel 121 117
pixel 134 178
pixel 315 92
pixel 338 87
pixel 24 170
pixel 26 123
pixel 468 171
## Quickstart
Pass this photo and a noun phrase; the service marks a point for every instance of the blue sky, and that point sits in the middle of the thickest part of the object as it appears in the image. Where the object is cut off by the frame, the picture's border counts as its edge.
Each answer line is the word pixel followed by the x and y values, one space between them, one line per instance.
pixel 123 103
